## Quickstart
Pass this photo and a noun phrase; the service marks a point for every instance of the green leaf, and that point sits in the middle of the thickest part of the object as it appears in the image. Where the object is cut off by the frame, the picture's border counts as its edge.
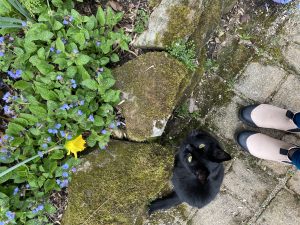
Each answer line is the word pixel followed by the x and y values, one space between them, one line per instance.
pixel 58 154
pixel 71 71
pixel 29 46
pixel 17 141
pixel 83 73
pixel 35 131
pixel 82 60
pixel 100 16
pixel 39 31
pixel 41 53
pixel 38 110
pixel 90 84
pixel 50 208
pixel 22 85
pixel 79 38
pixel 62 62
pixel 21 121
pixel 57 25
pixel 14 129
pixel 30 118
pixel 104 61
pixel 114 58
pixel 60 45
pixel 45 93
pixel 49 185
pixel 111 96
pixel 99 121
pixel 124 45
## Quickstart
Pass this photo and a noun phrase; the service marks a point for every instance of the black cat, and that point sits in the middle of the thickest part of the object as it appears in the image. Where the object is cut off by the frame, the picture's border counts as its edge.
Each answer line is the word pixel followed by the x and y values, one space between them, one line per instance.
pixel 197 174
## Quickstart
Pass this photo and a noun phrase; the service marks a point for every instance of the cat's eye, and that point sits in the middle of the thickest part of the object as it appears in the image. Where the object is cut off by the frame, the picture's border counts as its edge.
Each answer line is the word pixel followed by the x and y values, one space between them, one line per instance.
pixel 202 146
pixel 190 158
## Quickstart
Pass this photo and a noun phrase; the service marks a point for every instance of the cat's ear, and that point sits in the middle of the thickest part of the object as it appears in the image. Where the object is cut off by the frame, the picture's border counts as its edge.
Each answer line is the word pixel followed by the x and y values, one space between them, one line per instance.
pixel 220 155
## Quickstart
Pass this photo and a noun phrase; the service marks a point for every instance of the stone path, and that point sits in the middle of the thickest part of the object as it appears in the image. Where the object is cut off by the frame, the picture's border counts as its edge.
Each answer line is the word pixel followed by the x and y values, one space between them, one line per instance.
pixel 256 191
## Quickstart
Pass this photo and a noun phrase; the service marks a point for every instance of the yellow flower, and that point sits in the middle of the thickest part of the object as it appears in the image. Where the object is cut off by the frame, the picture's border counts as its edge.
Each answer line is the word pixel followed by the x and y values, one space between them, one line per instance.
pixel 75 145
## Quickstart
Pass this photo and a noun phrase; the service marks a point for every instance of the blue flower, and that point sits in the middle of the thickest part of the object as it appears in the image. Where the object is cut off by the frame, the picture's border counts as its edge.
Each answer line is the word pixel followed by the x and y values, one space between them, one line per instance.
pixel 99 70
pixel 49 139
pixel 5 137
pixel 81 102
pixel 64 41
pixel 112 126
pixel 34 211
pixel 7 97
pixel 10 215
pixel 2 223
pixel 15 75
pixel 58 51
pixel 75 51
pixel 69 137
pixel 27 186
pixel 3 158
pixel 62 133
pixel 1 39
pixel 79 112
pixel 65 107
pixel 24 23
pixel 103 132
pixel 52 49
pixel 98 43
pixel 7 110
pixel 58 181
pixel 71 18
pixel 40 207
pixel 41 154
pixel 16 190
pixel 52 131
pixel 118 123
pixel 18 73
pixel 65 22
pixel 65 174
pixel 91 118
pixel 64 183
pixel 103 147
pixel 57 126
pixel 73 170
pixel 59 77
pixel 65 166
pixel 44 146
pixel 1 54
pixel 74 86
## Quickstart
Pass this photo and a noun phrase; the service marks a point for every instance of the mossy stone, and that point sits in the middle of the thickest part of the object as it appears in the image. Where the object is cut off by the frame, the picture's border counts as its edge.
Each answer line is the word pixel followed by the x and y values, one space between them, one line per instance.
pixel 114 186
pixel 151 86
pixel 170 21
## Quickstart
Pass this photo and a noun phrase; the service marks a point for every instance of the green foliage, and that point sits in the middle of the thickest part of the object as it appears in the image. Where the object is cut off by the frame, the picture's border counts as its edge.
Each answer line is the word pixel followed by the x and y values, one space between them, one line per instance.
pixel 184 52
pixel 60 87
pixel 183 112
pixel 211 66
pixel 141 21
pixel 33 6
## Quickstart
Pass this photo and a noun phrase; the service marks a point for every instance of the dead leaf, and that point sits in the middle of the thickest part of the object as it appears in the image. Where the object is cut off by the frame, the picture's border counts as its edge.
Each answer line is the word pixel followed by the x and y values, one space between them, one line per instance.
pixel 115 5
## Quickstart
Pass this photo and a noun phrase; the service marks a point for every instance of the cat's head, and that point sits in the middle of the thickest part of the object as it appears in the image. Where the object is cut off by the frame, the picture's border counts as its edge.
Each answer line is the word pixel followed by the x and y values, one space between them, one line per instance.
pixel 204 146
pixel 202 153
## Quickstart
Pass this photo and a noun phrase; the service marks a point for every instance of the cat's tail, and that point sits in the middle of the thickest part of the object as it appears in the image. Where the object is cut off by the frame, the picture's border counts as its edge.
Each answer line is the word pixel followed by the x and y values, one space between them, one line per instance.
pixel 164 203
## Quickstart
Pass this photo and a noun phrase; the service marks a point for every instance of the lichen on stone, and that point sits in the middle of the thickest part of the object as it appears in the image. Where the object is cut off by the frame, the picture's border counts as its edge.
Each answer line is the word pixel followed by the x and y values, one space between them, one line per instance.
pixel 116 189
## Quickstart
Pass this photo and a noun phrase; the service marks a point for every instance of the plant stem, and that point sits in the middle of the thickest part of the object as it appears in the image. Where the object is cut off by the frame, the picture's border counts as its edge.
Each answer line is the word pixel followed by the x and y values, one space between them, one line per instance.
pixel 27 160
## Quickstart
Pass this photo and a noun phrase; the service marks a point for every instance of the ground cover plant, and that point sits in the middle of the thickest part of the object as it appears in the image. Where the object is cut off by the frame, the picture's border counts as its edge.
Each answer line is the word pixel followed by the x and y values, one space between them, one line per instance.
pixel 58 99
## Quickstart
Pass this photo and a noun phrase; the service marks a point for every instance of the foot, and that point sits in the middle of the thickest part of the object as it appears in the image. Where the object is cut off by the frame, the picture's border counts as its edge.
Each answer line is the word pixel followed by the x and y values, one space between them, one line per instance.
pixel 265 147
pixel 269 116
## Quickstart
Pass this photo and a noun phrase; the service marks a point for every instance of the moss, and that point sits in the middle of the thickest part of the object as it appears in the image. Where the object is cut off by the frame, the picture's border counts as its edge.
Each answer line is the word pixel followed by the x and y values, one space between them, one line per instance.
pixel 153 3
pixel 180 25
pixel 233 59
pixel 154 82
pixel 116 189
pixel 210 19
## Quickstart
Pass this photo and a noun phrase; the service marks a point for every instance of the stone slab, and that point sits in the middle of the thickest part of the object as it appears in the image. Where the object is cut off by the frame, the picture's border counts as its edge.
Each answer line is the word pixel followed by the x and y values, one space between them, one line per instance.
pixel 288 94
pixel 226 120
pixel 248 183
pixel 292 56
pixel 283 210
pixel 294 182
pixel 224 210
pixel 258 81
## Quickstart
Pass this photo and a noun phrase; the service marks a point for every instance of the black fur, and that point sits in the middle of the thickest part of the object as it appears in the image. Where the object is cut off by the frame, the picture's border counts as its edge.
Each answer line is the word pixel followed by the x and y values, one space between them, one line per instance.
pixel 198 172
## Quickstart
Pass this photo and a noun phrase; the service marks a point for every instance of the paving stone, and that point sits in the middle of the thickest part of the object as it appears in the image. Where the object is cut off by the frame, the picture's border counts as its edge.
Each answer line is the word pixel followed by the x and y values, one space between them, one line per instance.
pixel 288 94
pixel 277 169
pixel 224 210
pixel 283 210
pixel 294 183
pixel 258 81
pixel 248 183
pixel 226 120
pixel 292 56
